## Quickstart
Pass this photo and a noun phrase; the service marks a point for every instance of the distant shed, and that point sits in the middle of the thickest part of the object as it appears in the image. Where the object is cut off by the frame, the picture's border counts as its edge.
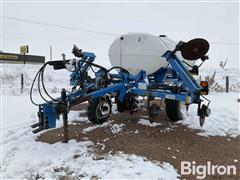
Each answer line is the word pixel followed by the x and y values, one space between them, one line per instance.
pixel 13 58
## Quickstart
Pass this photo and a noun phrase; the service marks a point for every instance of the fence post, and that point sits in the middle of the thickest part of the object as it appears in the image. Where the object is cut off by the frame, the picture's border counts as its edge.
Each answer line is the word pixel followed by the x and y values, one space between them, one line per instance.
pixel 227 84
pixel 22 83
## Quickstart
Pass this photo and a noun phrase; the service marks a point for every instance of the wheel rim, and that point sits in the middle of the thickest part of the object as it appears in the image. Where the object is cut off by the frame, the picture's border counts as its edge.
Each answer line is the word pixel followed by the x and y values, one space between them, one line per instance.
pixel 103 110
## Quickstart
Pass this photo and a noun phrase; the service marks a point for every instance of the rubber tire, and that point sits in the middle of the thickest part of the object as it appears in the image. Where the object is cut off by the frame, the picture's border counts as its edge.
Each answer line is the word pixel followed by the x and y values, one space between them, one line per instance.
pixel 91 111
pixel 173 110
pixel 121 106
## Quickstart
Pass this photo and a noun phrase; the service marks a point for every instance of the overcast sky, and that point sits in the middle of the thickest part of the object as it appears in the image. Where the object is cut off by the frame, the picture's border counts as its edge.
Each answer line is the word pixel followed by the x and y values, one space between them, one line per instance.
pixel 216 22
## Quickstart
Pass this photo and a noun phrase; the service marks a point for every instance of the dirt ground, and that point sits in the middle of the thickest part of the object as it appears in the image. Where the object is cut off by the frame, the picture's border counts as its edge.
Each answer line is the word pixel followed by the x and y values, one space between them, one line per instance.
pixel 169 142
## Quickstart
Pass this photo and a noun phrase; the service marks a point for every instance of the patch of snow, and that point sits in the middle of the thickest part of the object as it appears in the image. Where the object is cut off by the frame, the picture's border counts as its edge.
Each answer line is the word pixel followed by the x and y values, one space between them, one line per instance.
pixel 220 78
pixel 91 128
pixel 15 111
pixel 116 128
pixel 105 139
pixel 10 78
pixel 75 117
pixel 167 129
pixel 224 119
pixel 102 145
pixel 146 122
pixel 143 169
pixel 114 109
pixel 136 131
pixel 24 158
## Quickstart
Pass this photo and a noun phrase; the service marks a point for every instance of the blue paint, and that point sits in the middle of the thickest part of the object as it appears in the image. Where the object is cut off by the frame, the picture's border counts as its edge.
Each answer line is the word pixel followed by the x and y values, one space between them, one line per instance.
pixel 129 83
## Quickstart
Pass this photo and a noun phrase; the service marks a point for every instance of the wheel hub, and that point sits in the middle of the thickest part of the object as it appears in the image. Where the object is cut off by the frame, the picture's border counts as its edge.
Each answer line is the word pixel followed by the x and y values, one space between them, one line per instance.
pixel 103 109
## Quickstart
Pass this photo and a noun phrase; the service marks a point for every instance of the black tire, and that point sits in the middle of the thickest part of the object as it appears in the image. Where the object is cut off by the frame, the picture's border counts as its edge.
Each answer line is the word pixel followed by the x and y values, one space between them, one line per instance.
pixel 173 109
pixel 93 110
pixel 129 103
pixel 121 106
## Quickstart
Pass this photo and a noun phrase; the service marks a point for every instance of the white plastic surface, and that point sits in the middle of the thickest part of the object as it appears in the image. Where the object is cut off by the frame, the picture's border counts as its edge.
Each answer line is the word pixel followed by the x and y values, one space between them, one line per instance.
pixel 138 51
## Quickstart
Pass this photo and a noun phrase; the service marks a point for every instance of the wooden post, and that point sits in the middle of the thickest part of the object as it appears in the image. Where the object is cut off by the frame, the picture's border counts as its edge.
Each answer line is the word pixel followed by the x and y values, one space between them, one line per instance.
pixel 65 117
pixel 227 84
pixel 22 83
pixel 65 127
pixel 24 58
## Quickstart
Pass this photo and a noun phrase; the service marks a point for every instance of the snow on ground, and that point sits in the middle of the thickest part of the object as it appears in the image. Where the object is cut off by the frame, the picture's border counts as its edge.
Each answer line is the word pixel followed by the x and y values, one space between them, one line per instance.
pixel 10 78
pixel 219 84
pixel 23 157
pixel 116 128
pixel 15 111
pixel 114 109
pixel 91 128
pixel 74 117
pixel 146 122
pixel 224 119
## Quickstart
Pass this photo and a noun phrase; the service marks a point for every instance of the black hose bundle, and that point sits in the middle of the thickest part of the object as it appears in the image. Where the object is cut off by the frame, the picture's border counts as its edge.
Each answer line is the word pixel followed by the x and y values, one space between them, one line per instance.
pixel 61 65
pixel 40 82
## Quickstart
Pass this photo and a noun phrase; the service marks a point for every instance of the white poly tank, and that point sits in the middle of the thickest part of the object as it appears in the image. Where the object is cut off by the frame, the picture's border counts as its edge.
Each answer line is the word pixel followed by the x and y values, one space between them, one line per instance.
pixel 141 51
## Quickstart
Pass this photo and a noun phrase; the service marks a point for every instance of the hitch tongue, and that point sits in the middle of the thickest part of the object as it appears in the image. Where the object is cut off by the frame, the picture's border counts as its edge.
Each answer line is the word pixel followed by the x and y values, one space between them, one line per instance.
pixel 38 124
pixel 37 130
pixel 35 125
